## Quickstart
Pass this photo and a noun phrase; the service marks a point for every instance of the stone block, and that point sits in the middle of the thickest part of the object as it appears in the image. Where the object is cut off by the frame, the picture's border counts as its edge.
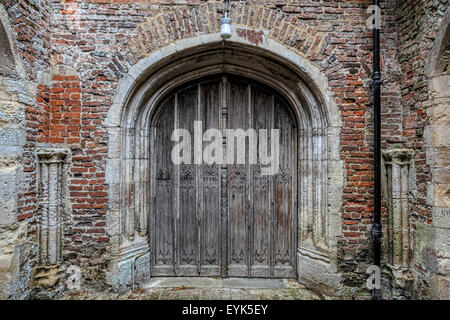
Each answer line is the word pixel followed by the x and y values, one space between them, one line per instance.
pixel 131 263
pixel 12 136
pixel 440 113
pixel 47 276
pixel 436 135
pixel 317 272
pixel 442 195
pixel 441 217
pixel 8 197
pixel 12 237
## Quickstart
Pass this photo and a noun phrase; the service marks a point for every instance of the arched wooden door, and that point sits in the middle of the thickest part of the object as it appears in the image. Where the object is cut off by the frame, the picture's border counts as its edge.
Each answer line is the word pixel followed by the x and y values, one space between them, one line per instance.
pixel 223 220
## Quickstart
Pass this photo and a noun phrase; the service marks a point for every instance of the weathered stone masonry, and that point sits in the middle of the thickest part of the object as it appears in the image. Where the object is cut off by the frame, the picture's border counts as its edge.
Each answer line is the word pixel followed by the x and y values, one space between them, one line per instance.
pixel 25 45
pixel 75 65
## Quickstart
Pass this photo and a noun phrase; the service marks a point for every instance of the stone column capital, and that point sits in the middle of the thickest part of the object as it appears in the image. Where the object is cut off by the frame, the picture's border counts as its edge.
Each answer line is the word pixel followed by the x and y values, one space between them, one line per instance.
pixel 398 156
pixel 52 155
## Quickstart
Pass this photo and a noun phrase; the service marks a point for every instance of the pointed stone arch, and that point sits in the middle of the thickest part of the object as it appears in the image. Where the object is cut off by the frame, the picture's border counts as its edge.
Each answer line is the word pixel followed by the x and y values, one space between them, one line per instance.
pixel 305 88
pixel 6 56
pixel 437 149
pixel 10 64
pixel 14 91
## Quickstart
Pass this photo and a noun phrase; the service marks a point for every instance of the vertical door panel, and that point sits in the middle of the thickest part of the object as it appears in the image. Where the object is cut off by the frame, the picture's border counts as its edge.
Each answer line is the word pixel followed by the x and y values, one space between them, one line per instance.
pixel 262 114
pixel 210 195
pixel 284 255
pixel 238 236
pixel 163 231
pixel 187 221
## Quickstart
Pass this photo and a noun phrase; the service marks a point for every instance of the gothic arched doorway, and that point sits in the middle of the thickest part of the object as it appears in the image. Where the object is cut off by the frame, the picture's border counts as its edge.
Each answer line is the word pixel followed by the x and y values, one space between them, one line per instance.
pixel 223 219
pixel 307 239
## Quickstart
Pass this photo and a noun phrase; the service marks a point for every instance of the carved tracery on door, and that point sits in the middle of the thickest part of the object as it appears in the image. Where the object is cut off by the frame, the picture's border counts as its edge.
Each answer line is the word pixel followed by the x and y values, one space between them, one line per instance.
pixel 223 220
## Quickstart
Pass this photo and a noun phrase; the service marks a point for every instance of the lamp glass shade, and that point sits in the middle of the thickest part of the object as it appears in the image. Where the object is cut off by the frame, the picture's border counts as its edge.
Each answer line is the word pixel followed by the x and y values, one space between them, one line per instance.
pixel 225 28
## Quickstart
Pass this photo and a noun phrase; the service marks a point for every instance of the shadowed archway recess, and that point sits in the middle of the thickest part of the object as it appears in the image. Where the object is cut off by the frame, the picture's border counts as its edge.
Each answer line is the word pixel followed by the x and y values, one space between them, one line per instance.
pixel 301 84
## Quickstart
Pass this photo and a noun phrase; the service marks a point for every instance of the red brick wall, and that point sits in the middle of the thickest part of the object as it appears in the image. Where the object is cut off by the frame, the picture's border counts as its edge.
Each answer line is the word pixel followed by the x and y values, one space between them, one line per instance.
pixel 108 45
pixel 92 43
pixel 65 110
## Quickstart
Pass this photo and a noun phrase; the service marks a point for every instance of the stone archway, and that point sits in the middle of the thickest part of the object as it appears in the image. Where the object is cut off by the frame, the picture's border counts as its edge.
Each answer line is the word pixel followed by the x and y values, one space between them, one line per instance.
pixel 14 94
pixel 434 238
pixel 320 168
pixel 437 112
pixel 7 65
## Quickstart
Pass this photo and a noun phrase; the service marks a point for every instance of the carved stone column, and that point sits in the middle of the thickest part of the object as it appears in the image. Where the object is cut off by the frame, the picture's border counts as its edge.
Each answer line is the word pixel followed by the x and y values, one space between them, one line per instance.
pixel 129 175
pixel 52 184
pixel 51 192
pixel 398 166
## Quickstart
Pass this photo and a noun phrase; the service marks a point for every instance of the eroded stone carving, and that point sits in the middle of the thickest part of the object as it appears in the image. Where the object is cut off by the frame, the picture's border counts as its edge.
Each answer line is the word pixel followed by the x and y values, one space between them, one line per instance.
pixel 52 172
pixel 398 165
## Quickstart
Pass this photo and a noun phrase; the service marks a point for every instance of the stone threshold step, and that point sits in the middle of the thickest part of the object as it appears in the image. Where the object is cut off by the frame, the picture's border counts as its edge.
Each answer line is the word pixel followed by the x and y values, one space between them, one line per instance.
pixel 212 282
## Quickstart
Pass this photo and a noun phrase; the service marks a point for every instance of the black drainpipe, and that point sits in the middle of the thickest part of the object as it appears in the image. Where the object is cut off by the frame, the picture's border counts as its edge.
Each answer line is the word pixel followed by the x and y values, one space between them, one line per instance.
pixel 376 228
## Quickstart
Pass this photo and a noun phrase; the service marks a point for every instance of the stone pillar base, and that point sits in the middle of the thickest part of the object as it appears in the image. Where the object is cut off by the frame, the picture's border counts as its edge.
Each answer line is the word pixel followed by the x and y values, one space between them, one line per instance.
pixel 317 272
pixel 440 287
pixel 130 267
pixel 402 282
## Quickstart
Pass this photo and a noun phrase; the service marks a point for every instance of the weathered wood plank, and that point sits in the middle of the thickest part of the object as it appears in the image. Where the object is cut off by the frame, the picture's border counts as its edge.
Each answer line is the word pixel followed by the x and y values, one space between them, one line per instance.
pixel 163 220
pixel 237 177
pixel 284 228
pixel 210 193
pixel 262 112
pixel 188 232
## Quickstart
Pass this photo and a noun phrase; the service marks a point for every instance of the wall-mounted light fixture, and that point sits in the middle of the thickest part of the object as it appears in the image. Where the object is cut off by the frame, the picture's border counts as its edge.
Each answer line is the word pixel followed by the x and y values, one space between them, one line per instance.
pixel 225 25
